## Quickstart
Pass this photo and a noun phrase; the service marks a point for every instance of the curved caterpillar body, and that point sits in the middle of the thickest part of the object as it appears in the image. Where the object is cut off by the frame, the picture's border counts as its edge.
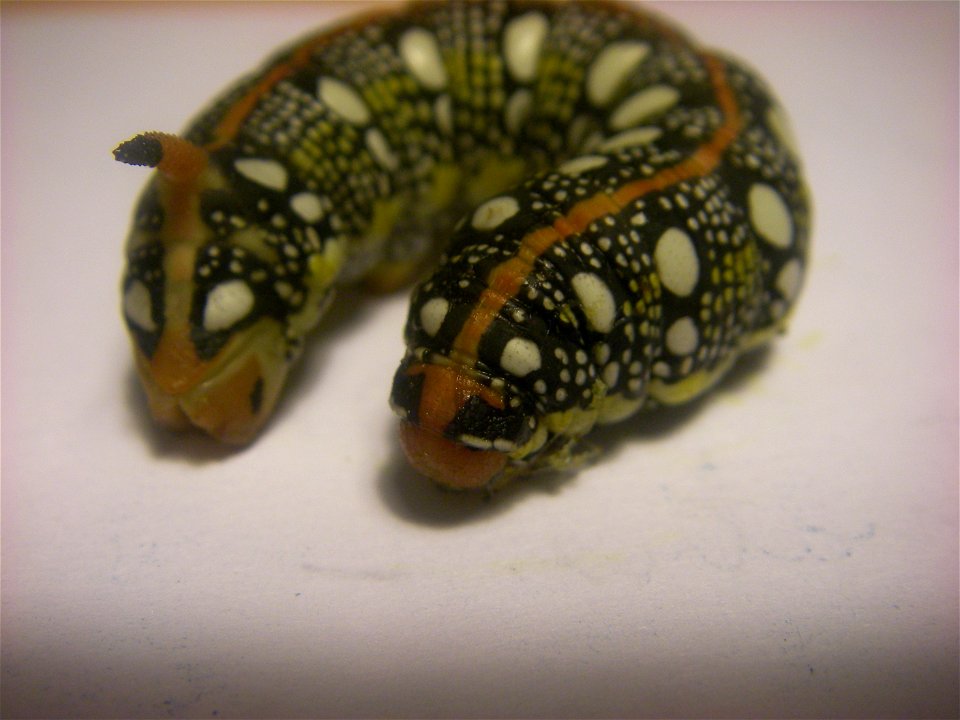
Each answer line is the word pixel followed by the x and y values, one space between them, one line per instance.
pixel 632 218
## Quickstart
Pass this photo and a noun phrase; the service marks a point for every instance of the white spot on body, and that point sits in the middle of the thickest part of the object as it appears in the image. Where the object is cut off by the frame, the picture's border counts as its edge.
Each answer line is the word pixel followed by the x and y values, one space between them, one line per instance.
pixel 421 54
pixel 789 279
pixel 582 164
pixel 520 357
pixel 477 443
pixel 597 301
pixel 494 211
pixel 518 110
pixel 227 304
pixel 307 206
pixel 612 67
pixel 268 173
pixel 380 149
pixel 522 44
pixel 343 100
pixel 682 336
pixel 630 138
pixel 769 215
pixel 432 314
pixel 137 306
pixel 642 105
pixel 677 262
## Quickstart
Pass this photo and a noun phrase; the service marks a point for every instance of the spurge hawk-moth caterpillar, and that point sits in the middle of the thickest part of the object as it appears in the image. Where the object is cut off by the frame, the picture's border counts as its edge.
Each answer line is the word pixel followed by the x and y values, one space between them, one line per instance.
pixel 621 214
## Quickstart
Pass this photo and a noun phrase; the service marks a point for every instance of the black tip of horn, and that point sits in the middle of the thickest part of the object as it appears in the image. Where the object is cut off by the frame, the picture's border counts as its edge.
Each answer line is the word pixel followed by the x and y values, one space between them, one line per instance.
pixel 141 150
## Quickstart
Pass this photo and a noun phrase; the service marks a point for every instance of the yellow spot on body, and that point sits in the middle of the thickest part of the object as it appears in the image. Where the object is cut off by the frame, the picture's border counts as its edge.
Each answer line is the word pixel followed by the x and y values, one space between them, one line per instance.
pixel 445 184
pixel 537 441
pixel 615 408
pixel 610 374
pixel 495 175
pixel 572 422
pixel 386 212
pixel 691 386
pixel 682 337
pixel 325 267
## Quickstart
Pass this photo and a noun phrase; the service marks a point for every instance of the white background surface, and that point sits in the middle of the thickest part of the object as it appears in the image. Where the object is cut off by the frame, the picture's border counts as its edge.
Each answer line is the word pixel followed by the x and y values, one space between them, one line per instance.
pixel 788 547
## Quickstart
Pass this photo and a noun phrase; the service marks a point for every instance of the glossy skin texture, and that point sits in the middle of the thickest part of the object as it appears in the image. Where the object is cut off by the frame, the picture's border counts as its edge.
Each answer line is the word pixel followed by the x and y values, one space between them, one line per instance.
pixel 632 219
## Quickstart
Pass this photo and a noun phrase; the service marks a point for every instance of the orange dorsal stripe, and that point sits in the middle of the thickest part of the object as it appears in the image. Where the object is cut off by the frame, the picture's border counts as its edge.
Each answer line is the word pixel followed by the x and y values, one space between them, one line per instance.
pixel 507 278
pixel 231 122
pixel 445 391
pixel 233 119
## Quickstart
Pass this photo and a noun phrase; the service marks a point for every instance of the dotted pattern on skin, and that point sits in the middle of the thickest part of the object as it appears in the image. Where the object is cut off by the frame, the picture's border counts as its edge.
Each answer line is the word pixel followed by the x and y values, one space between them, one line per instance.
pixel 423 113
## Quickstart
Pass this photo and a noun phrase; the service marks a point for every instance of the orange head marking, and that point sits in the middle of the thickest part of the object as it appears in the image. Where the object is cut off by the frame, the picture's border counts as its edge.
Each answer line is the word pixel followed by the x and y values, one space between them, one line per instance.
pixel 209 348
pixel 447 462
pixel 458 430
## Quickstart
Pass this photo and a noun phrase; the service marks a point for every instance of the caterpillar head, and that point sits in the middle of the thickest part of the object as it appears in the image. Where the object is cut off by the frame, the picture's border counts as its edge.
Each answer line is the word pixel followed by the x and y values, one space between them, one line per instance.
pixel 215 294
pixel 460 428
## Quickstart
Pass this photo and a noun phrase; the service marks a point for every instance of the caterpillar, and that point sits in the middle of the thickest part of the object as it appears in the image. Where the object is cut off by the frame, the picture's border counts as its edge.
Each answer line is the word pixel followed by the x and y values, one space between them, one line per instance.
pixel 620 215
